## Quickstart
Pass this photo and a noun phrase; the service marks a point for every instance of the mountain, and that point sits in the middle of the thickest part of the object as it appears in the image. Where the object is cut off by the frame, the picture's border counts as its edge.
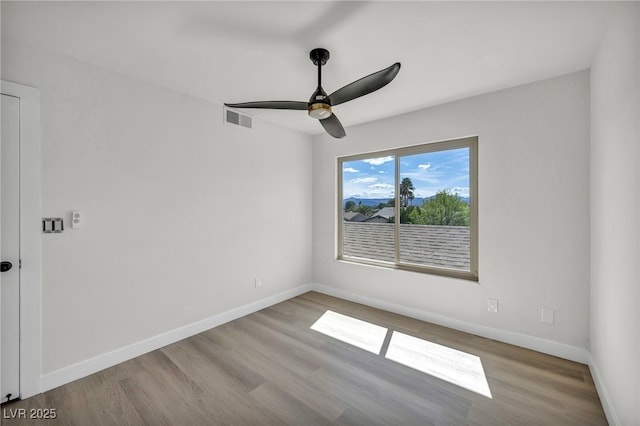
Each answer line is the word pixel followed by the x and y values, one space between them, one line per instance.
pixel 374 202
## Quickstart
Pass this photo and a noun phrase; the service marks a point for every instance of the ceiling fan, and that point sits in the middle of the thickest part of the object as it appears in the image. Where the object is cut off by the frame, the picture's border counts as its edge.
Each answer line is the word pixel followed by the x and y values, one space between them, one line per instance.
pixel 319 105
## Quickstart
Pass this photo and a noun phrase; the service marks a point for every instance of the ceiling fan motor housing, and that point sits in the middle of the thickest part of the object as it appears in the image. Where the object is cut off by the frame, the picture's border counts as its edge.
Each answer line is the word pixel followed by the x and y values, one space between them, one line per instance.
pixel 319 105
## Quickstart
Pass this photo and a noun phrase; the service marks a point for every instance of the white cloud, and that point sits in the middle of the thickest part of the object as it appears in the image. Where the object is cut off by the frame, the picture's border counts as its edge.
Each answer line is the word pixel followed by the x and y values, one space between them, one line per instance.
pixel 460 190
pixel 378 193
pixel 350 170
pixel 381 186
pixel 424 166
pixel 378 161
pixel 364 180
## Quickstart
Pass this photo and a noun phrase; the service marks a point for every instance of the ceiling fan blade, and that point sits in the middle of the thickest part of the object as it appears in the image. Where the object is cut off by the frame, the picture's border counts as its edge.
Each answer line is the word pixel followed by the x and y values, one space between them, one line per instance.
pixel 365 85
pixel 271 105
pixel 333 126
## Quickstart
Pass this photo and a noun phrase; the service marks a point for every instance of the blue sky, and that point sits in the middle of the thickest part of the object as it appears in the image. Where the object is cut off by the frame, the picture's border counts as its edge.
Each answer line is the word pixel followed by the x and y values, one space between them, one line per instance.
pixel 429 172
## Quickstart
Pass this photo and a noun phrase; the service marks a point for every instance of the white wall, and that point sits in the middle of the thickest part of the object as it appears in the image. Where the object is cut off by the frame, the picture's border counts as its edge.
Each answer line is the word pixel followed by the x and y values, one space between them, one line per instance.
pixel 615 216
pixel 533 213
pixel 182 211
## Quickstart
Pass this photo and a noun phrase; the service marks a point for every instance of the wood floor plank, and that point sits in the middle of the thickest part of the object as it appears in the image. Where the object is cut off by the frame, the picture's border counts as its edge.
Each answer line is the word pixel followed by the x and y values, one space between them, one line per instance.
pixel 226 399
pixel 405 382
pixel 271 368
pixel 306 391
pixel 359 394
pixel 288 408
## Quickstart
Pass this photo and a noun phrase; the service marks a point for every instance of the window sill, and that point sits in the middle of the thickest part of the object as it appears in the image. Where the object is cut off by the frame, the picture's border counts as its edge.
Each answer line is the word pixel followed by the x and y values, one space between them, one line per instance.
pixel 443 272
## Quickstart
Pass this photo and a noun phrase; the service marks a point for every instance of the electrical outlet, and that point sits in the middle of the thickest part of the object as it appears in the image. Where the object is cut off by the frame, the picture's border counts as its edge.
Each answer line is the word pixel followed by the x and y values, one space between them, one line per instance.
pixel 492 305
pixel 547 315
pixel 258 282
pixel 76 219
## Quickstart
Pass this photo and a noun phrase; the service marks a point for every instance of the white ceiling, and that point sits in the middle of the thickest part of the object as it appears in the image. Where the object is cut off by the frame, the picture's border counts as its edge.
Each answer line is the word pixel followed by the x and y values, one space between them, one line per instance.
pixel 248 51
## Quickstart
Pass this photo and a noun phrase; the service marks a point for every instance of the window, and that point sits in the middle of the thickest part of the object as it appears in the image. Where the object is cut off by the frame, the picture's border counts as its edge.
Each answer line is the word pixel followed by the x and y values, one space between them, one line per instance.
pixel 412 208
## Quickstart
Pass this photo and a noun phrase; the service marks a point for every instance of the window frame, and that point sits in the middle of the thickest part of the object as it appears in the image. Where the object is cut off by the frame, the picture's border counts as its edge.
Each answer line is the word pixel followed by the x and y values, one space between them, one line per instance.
pixel 467 142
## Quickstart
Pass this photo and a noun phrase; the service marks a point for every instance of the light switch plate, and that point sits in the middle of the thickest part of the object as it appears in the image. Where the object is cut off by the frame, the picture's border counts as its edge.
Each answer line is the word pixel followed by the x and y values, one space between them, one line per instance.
pixel 52 225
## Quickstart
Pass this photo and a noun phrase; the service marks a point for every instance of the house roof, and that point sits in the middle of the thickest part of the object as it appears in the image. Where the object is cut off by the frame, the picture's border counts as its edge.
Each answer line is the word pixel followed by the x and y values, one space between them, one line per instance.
pixel 386 212
pixel 440 246
pixel 354 216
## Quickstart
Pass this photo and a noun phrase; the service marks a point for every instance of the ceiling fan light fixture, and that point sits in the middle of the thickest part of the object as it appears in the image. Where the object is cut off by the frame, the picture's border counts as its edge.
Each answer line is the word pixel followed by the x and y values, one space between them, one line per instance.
pixel 320 111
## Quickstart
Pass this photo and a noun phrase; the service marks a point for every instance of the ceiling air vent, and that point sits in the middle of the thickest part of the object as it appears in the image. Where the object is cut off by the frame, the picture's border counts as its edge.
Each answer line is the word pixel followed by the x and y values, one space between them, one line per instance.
pixel 237 118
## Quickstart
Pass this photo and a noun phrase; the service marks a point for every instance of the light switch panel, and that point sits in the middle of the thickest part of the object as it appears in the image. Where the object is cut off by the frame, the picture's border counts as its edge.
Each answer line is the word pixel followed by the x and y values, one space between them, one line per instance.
pixel 52 225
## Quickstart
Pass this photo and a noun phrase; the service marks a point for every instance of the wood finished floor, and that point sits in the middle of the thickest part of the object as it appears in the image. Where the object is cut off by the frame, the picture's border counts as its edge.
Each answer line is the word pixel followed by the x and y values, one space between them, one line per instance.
pixel 269 368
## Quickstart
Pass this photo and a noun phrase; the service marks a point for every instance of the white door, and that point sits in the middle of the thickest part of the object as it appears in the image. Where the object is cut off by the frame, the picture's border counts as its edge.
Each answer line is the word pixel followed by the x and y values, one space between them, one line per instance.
pixel 10 249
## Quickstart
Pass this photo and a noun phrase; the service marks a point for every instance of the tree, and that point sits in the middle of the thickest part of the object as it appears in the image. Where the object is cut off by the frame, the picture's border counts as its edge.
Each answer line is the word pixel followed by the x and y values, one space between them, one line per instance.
pixel 406 214
pixel 444 208
pixel 365 210
pixel 349 206
pixel 390 203
pixel 406 192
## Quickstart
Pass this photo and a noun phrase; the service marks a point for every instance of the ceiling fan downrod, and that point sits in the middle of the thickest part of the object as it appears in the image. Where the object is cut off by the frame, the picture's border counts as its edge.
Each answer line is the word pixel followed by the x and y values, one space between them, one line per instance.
pixel 319 103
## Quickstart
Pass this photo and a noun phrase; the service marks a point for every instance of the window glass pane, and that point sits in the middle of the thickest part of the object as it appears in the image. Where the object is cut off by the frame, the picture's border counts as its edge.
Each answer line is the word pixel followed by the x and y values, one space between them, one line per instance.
pixel 434 209
pixel 435 230
pixel 368 191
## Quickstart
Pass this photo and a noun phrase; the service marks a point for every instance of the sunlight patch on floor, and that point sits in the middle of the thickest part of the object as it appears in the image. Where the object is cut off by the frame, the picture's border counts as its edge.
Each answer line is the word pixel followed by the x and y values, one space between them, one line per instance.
pixel 456 367
pixel 361 334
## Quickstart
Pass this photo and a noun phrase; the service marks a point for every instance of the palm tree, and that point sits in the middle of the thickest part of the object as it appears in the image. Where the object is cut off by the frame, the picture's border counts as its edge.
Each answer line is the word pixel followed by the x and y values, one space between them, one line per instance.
pixel 406 191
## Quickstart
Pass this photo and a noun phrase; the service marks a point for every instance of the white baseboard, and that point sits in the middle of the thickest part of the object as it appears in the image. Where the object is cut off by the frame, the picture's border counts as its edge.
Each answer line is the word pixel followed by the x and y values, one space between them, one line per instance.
pixel 603 393
pixel 550 347
pixel 93 365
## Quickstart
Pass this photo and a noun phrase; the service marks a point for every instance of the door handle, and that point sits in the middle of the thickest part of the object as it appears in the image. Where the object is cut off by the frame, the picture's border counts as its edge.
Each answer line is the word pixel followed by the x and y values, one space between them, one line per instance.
pixel 5 266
